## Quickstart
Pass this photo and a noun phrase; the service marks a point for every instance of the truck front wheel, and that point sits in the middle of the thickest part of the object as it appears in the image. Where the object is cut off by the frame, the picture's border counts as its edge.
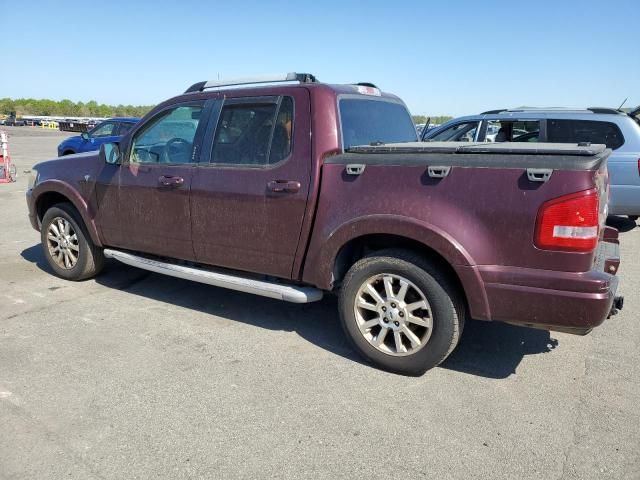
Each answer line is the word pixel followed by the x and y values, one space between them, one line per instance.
pixel 400 311
pixel 67 246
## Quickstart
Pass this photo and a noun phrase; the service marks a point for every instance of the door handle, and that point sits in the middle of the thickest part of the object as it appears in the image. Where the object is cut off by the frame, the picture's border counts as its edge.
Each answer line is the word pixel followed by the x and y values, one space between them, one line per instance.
pixel 170 181
pixel 283 186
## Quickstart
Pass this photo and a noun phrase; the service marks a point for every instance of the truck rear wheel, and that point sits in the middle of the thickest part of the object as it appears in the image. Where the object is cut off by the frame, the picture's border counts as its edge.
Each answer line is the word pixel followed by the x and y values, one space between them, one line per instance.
pixel 401 312
pixel 67 246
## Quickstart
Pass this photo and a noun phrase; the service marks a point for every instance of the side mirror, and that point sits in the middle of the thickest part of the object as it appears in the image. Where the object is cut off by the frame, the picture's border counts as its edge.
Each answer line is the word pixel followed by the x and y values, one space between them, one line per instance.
pixel 110 153
pixel 85 136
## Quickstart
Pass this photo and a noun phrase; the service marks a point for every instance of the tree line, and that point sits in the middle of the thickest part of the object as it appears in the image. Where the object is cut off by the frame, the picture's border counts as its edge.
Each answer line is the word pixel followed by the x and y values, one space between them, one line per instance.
pixel 68 108
pixel 437 120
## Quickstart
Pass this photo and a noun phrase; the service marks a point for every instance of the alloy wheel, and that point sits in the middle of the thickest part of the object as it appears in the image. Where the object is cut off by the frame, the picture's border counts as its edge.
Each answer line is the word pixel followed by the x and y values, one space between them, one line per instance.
pixel 393 314
pixel 62 242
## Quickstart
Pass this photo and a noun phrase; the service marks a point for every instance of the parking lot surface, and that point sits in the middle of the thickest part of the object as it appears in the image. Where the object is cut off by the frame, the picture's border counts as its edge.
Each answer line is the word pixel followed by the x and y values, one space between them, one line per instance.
pixel 136 375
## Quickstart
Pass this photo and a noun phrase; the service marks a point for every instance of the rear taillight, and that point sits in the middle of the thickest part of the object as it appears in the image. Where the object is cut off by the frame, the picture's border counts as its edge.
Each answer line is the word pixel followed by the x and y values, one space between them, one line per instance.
pixel 639 166
pixel 569 223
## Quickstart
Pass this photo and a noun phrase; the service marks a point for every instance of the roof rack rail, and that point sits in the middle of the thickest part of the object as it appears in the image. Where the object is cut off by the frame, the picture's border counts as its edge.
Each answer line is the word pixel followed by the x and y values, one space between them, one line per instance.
pixel 493 112
pixel 367 84
pixel 604 110
pixel 283 77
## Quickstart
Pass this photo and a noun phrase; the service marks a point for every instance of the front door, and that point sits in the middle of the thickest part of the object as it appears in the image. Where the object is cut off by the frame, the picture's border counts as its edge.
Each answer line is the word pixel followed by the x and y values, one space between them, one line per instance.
pixel 150 190
pixel 249 194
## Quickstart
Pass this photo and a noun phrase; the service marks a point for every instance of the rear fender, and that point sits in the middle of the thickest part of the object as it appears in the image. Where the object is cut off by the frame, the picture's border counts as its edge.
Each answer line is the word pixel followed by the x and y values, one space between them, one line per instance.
pixel 319 266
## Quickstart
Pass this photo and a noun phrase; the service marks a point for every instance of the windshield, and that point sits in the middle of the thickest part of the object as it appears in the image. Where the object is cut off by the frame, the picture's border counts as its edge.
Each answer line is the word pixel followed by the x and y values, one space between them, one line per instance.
pixel 366 121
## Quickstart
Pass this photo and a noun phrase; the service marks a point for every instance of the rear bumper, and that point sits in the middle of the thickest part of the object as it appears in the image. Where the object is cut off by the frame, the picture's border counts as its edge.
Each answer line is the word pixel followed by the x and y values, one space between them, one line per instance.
pixel 573 302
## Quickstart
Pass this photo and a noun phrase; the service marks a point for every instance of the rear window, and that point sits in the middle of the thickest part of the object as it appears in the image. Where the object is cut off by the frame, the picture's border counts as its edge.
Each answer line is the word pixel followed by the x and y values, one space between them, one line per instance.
pixel 576 131
pixel 366 121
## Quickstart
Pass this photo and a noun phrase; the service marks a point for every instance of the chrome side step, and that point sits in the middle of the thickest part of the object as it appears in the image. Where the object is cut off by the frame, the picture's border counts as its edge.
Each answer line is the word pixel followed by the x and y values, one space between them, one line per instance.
pixel 288 293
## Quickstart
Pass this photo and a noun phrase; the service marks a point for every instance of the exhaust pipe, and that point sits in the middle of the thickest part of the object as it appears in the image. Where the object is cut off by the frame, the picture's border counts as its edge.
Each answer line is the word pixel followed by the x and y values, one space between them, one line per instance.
pixel 618 303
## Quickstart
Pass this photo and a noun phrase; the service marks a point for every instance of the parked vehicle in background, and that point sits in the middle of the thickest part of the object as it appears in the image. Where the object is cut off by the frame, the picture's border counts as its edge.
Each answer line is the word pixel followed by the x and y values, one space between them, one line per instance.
pixel 108 131
pixel 617 130
pixel 293 189
pixel 13 121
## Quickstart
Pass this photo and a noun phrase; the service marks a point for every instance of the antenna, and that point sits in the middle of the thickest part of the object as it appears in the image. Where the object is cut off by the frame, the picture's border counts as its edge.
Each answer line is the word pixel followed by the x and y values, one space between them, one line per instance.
pixel 625 101
pixel 425 129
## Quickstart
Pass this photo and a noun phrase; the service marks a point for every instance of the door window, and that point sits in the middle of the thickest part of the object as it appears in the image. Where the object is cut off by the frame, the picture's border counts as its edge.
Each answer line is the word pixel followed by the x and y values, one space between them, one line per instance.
pixel 103 130
pixel 460 132
pixel 253 135
pixel 125 127
pixel 282 133
pixel 512 131
pixel 168 138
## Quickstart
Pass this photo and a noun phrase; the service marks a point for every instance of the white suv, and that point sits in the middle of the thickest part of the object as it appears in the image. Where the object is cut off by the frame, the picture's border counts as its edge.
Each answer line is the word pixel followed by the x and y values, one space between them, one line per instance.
pixel 618 130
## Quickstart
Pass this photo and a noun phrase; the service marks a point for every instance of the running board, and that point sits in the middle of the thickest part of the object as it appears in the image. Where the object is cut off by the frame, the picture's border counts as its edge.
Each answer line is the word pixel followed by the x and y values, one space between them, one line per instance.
pixel 288 293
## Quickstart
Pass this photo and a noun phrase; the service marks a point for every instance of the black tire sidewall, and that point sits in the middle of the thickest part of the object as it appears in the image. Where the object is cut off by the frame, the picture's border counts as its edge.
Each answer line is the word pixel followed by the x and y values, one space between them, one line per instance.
pixel 78 270
pixel 442 307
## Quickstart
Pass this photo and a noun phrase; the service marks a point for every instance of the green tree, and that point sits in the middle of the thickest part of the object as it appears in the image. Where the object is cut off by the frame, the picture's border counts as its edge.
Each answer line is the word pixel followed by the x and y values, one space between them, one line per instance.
pixel 68 108
pixel 436 120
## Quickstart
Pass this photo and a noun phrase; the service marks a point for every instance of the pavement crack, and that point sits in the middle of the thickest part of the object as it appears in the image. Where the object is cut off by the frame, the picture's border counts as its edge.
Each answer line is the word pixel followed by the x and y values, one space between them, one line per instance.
pixel 576 418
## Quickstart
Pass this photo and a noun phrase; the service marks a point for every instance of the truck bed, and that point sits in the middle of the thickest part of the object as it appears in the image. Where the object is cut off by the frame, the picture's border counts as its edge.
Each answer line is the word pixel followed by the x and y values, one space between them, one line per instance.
pixel 491 155
pixel 475 205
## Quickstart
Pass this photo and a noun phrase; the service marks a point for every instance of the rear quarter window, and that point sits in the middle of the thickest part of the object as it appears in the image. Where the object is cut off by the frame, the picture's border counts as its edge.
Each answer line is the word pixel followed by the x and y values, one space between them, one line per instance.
pixel 576 131
pixel 366 121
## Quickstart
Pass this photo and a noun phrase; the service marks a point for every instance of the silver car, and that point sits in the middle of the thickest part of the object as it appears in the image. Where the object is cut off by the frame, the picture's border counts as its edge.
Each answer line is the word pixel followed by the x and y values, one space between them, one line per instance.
pixel 618 130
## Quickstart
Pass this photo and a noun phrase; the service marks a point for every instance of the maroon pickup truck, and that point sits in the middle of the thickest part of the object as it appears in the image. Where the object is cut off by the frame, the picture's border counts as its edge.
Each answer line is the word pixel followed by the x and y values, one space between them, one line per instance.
pixel 292 187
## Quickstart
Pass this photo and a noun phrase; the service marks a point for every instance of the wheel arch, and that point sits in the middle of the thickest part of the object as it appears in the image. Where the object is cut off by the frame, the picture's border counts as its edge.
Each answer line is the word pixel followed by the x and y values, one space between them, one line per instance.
pixel 327 267
pixel 50 193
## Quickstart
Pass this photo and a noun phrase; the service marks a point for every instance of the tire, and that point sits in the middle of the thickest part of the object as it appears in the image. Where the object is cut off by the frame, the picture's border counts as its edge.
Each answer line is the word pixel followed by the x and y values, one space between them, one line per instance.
pixel 441 324
pixel 76 241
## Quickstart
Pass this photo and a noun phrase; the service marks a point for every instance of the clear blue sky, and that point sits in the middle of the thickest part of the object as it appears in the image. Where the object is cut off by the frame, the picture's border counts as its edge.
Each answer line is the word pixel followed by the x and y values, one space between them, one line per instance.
pixel 441 57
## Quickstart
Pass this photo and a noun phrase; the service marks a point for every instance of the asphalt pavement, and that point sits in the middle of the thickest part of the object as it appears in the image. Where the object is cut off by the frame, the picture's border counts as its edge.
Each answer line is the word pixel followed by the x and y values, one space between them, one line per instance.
pixel 136 375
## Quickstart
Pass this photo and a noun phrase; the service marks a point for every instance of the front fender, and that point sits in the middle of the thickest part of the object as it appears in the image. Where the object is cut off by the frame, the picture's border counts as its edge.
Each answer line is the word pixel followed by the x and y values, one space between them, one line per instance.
pixel 322 254
pixel 76 199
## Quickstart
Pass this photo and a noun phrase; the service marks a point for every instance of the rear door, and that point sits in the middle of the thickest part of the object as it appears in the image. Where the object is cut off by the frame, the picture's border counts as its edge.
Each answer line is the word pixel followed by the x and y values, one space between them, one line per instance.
pixel 249 195
pixel 144 203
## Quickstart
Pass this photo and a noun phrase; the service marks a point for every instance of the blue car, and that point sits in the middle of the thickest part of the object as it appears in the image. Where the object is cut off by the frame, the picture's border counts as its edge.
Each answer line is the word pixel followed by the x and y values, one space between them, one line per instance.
pixel 108 131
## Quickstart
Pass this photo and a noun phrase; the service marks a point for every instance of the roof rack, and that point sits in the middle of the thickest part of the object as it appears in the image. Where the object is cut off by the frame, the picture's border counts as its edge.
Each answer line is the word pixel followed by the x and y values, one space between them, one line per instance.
pixel 493 112
pixel 553 109
pixel 546 109
pixel 604 110
pixel 283 77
